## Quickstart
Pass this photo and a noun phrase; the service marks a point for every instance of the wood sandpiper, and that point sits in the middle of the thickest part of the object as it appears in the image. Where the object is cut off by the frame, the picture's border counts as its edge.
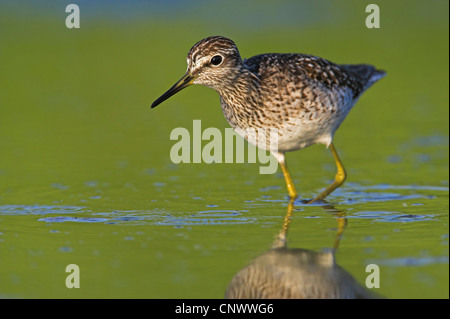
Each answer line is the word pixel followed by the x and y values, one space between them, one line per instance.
pixel 304 97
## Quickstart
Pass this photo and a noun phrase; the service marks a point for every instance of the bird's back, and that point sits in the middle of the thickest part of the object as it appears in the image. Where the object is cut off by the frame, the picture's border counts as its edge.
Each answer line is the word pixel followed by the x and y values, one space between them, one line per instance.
pixel 314 71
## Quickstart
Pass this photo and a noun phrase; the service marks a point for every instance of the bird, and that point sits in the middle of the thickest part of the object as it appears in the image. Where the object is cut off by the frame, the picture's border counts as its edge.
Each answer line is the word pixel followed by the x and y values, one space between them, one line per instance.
pixel 302 98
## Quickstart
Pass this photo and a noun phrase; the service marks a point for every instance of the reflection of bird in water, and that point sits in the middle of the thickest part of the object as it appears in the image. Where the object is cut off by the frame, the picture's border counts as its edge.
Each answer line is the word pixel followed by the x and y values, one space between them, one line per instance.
pixel 283 273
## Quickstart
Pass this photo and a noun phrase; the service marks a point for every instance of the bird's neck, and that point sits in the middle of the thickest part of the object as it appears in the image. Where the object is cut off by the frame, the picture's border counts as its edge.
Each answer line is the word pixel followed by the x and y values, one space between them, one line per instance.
pixel 242 90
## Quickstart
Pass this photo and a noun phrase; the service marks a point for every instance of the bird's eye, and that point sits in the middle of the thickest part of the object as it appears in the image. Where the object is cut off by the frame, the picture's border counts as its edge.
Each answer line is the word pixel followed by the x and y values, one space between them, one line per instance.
pixel 216 60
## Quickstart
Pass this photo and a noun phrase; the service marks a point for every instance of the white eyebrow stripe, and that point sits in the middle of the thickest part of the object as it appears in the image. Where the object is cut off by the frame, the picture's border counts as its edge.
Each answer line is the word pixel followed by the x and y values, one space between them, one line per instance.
pixel 199 63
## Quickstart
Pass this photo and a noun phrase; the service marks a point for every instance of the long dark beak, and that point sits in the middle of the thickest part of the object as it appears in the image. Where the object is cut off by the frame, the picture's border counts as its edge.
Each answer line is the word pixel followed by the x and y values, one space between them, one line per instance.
pixel 185 81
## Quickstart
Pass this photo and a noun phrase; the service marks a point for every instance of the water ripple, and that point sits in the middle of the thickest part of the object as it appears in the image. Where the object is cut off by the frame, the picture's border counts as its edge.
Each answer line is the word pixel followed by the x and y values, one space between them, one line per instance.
pixel 411 261
pixel 60 219
pixel 391 216
pixel 209 217
pixel 130 217
pixel 39 209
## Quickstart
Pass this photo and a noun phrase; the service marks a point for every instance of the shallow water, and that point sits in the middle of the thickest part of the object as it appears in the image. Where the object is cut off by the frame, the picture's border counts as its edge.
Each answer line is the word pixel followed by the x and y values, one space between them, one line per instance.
pixel 86 176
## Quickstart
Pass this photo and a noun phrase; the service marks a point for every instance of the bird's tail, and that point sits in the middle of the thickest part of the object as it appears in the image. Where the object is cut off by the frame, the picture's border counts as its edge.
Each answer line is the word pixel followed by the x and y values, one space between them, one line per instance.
pixel 367 74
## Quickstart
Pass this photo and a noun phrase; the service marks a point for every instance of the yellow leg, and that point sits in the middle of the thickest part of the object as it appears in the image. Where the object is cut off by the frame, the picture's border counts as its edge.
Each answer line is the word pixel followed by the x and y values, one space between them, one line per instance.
pixel 281 238
pixel 342 222
pixel 287 176
pixel 341 175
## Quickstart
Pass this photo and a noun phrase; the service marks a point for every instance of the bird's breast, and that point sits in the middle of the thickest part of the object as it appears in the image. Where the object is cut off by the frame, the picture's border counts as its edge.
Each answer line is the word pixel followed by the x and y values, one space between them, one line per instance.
pixel 298 117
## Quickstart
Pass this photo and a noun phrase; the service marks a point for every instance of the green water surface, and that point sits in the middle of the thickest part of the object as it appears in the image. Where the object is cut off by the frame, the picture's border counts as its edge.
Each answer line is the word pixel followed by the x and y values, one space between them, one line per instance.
pixel 86 177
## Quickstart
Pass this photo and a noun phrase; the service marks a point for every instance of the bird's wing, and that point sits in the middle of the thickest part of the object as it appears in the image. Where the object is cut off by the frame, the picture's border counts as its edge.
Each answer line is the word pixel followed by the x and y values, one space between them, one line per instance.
pixel 314 71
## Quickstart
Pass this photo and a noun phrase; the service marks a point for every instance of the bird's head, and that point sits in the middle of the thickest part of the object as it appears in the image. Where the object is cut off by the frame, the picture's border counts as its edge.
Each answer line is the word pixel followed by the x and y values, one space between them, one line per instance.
pixel 212 62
